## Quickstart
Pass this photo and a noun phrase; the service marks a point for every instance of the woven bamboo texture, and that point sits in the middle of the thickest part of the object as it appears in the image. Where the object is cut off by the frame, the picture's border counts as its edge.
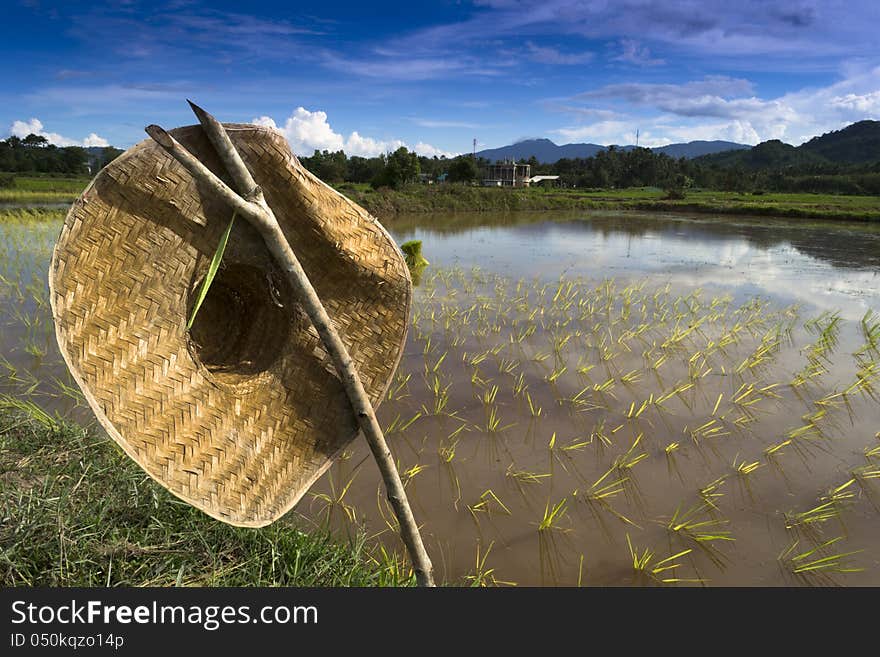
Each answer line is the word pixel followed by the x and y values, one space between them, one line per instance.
pixel 240 415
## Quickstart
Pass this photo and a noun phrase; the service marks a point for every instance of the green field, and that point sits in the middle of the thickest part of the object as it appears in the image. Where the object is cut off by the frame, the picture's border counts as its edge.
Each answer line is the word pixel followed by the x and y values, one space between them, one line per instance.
pixel 461 198
pixel 42 189
pixel 27 190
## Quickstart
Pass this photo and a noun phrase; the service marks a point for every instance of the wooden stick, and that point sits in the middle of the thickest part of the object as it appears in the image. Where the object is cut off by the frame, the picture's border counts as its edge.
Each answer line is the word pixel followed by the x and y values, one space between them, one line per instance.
pixel 257 212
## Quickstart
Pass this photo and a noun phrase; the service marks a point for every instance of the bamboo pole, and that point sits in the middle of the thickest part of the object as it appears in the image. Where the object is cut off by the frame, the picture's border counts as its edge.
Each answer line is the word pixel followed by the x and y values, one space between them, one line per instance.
pixel 250 204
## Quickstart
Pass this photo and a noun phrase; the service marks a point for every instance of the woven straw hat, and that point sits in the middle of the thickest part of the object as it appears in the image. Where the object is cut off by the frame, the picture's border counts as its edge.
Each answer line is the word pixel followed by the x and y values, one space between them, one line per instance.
pixel 241 414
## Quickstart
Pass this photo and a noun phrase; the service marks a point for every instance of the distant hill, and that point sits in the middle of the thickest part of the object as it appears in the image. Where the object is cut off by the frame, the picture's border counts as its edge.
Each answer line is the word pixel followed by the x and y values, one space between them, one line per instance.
pixel 547 152
pixel 855 144
pixel 543 149
pixel 858 143
pixel 694 149
pixel 767 154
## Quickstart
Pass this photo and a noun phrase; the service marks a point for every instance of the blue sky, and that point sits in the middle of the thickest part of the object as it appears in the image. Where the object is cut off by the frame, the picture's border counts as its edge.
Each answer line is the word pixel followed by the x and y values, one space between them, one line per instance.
pixel 369 76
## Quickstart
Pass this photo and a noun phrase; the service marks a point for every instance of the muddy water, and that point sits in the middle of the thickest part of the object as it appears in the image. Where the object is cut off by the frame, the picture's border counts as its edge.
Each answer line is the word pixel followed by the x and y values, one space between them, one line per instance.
pixel 796 270
pixel 654 379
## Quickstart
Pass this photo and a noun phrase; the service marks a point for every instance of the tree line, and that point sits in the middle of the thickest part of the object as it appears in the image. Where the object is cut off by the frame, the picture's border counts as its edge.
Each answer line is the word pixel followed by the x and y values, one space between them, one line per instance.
pixel 771 166
pixel 34 154
pixel 394 169
pixel 614 168
pixel 642 167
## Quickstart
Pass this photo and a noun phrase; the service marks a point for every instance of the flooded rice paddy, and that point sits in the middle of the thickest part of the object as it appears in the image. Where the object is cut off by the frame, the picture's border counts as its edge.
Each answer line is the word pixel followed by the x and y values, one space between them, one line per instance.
pixel 603 399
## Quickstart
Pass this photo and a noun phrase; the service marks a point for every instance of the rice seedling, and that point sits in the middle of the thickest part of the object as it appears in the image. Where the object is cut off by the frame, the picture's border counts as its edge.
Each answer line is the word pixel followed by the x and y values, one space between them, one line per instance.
pixel 711 493
pixel 525 476
pixel 399 388
pixel 810 519
pixel 29 409
pixel 335 499
pixel 599 494
pixel 555 374
pixel 487 503
pixel 744 468
pixel 818 563
pixel 553 516
pixel 866 477
pixel 65 389
pixel 598 436
pixel 632 457
pixel 634 412
pixel 534 410
pixel 698 526
pixel 830 507
pixel 870 326
pixel 508 366
pixel 646 569
pixel 540 357
pixel 440 397
pixel 34 350
pixel 433 369
pixel 671 460
pixel 519 385
pixel 399 426
pixel 866 375
pixel 743 471
pixel 492 423
pixel 481 576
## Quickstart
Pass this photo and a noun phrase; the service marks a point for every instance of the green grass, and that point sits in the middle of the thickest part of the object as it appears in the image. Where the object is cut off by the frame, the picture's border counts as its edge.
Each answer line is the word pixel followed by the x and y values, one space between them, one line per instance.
pixel 465 198
pixel 424 198
pixel 43 189
pixel 77 512
pixel 25 215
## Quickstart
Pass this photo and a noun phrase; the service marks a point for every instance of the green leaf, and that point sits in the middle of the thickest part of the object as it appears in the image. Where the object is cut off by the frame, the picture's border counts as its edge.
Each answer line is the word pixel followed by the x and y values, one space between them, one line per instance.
pixel 212 271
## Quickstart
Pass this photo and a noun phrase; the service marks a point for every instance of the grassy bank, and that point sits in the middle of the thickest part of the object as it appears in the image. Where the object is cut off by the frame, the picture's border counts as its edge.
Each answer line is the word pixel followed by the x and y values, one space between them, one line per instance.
pixel 464 198
pixel 461 198
pixel 77 512
pixel 40 189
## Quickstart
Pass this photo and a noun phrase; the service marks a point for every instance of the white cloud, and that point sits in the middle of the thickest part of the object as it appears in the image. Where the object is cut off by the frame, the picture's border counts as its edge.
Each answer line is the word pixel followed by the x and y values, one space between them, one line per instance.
pixel 35 127
pixel 309 131
pixel 742 132
pixel 548 55
pixel 636 53
pixel 430 151
pixel 601 132
pixel 866 103
pixel 400 66
pixel 724 108
pixel 661 132
pixel 368 147
pixel 719 86
pixel 751 28
pixel 95 140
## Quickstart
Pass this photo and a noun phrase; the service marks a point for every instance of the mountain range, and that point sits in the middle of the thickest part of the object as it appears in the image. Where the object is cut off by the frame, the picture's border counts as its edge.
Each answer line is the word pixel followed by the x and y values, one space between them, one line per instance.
pixel 545 151
pixel 858 143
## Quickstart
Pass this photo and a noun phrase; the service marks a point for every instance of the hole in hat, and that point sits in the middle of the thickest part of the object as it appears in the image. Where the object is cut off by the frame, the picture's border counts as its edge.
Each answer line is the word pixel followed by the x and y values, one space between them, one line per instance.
pixel 242 325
